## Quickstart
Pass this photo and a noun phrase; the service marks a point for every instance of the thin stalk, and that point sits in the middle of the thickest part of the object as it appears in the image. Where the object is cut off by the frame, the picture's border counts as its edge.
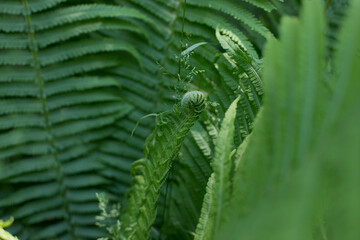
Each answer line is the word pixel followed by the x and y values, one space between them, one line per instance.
pixel 168 187
pixel 181 39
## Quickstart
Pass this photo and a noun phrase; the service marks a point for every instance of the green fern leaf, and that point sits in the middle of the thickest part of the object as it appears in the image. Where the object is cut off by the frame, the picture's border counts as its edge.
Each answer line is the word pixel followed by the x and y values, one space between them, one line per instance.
pixel 102 86
pixel 11 7
pixel 237 12
pixel 150 173
pixel 264 4
pixel 281 178
pixel 219 184
pixel 4 235
pixel 58 109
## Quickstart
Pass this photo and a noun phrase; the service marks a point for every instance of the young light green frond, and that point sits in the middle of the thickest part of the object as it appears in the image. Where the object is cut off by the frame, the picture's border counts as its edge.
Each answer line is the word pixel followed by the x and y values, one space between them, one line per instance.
pixel 202 141
pixel 219 185
pixel 206 223
pixel 251 84
pixel 184 201
pixel 4 235
pixel 240 73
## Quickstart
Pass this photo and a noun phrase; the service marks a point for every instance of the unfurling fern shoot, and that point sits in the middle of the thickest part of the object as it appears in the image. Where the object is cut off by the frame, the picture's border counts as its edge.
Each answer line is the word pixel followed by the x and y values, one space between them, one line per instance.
pixel 194 101
pixel 150 173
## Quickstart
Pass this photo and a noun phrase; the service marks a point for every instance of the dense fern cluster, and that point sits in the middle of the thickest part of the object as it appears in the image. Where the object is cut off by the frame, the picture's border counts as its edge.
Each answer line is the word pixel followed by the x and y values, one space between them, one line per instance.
pixel 217 78
pixel 70 96
pixel 76 77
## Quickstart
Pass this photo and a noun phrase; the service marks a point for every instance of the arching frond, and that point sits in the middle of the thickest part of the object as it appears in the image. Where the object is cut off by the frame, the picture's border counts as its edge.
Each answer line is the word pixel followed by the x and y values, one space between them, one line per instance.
pixel 218 189
pixel 150 172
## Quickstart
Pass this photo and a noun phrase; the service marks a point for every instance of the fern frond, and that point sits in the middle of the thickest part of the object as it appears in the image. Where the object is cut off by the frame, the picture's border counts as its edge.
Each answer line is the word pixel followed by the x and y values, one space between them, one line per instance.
pixel 281 178
pixel 63 52
pixel 157 9
pixel 94 93
pixel 4 235
pixel 150 172
pixel 65 32
pixel 58 108
pixel 83 12
pixel 202 16
pixel 219 184
pixel 237 12
pixel 11 7
pixel 264 4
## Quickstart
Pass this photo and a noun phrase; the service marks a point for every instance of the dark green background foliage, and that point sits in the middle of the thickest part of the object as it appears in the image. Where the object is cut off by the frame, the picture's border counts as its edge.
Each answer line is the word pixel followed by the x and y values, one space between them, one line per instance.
pixel 76 76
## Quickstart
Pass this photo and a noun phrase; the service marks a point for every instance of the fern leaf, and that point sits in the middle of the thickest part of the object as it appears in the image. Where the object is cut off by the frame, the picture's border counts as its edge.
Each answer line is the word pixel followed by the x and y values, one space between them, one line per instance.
pixel 87 112
pixel 161 147
pixel 32 208
pixel 101 85
pixel 241 60
pixel 15 57
pixel 202 142
pixel 11 7
pixel 80 65
pixel 58 107
pixel 13 41
pixel 79 84
pixel 280 179
pixel 264 4
pixel 51 231
pixel 199 15
pixel 71 50
pixel 29 193
pixel 66 32
pixel 83 12
pixel 237 12
pixel 218 187
pixel 4 234
pixel 156 9
pixel 205 220
pixel 18 90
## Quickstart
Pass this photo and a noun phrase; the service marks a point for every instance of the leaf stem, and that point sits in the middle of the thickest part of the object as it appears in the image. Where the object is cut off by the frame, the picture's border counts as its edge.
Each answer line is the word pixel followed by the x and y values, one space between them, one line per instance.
pixel 181 40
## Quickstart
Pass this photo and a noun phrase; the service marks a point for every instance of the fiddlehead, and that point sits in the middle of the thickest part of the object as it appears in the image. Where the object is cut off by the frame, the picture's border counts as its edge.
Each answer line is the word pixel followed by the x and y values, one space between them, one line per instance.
pixel 193 101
